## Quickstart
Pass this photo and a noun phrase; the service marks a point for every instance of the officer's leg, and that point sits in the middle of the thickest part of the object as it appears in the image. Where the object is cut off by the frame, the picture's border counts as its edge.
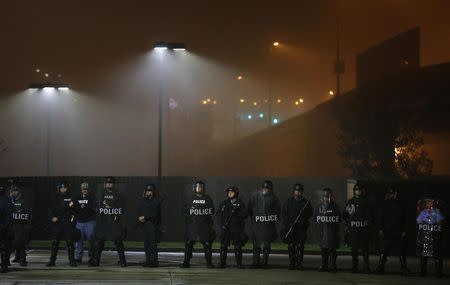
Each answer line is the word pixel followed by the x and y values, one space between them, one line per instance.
pixel 292 255
pixel 71 253
pixel 385 251
pixel 324 255
pixel 121 252
pixel 146 251
pixel 97 254
pixel 365 253
pixel 21 252
pixel 238 255
pixel 266 252
pixel 56 237
pixel 354 259
pixel 188 247
pixel 300 253
pixel 79 244
pixel 154 254
pixel 403 251
pixel 333 259
pixel 223 252
pixel 423 265
pixel 207 246
pixel 256 255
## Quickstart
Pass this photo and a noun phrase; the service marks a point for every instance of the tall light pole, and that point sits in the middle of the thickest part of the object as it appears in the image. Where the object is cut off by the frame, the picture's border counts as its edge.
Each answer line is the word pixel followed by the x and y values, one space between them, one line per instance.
pixel 274 45
pixel 47 88
pixel 163 47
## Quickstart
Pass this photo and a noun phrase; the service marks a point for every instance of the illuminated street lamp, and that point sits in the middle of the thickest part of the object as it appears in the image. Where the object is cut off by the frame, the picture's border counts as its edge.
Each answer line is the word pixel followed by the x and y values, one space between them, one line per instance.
pixel 49 88
pixel 161 46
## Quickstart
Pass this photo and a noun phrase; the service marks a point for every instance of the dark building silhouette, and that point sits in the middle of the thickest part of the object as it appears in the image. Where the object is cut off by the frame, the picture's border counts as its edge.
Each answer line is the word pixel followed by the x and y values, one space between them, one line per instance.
pixel 391 57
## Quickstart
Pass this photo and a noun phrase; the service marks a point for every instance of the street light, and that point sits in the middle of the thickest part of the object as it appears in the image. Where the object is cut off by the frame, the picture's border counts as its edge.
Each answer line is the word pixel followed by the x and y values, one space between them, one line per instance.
pixel 48 88
pixel 161 46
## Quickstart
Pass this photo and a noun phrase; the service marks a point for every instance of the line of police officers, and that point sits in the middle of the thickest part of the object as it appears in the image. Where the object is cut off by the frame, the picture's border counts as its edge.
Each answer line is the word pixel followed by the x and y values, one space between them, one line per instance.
pixel 82 217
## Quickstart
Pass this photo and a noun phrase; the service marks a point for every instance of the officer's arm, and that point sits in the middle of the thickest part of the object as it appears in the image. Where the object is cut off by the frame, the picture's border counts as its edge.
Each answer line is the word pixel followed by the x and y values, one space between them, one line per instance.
pixel 345 213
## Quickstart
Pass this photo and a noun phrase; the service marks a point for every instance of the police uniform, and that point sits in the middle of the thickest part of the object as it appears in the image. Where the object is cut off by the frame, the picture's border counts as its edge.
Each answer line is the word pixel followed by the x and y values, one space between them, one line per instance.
pixel 430 231
pixel 5 223
pixel 264 211
pixel 21 223
pixel 109 225
pixel 357 216
pixel 295 214
pixel 64 208
pixel 391 223
pixel 150 208
pixel 328 219
pixel 231 215
pixel 199 211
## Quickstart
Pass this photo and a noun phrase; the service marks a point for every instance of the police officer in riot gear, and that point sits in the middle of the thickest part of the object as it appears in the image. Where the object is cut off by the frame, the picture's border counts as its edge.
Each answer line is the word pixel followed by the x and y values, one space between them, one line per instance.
pixel 5 223
pixel 358 218
pixel 264 211
pixel 21 223
pixel 295 214
pixel 391 230
pixel 109 225
pixel 231 216
pixel 199 211
pixel 430 231
pixel 328 218
pixel 149 219
pixel 62 214
pixel 85 221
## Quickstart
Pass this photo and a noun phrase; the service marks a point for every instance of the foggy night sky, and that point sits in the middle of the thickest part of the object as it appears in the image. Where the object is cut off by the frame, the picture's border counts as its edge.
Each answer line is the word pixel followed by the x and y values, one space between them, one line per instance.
pixel 81 39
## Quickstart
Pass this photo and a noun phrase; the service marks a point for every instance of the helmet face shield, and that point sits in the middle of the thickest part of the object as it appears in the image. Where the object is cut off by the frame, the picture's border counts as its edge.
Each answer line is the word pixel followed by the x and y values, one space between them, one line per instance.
pixel 149 191
pixel 327 196
pixel 267 187
pixel 232 192
pixel 198 187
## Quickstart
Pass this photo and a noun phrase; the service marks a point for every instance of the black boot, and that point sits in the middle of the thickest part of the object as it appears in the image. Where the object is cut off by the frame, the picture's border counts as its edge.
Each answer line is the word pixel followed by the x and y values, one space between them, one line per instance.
pixel 188 247
pixel 16 258
pixel 238 256
pixel 324 266
pixel 208 254
pixel 22 257
pixel 223 257
pixel 53 253
pixel 71 253
pixel 265 260
pixel 256 257
pixel 381 263
pixel 333 259
pixel 403 268
pixel 97 253
pixel 121 252
pixel 292 256
pixel 439 265
pixel 366 266
pixel 354 262
pixel 300 252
